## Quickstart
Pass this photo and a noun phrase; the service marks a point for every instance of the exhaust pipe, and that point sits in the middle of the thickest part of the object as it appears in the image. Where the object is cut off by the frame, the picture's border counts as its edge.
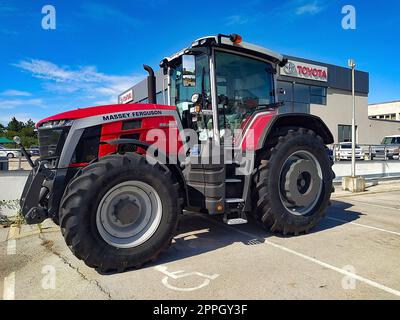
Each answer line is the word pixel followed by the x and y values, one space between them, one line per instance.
pixel 151 84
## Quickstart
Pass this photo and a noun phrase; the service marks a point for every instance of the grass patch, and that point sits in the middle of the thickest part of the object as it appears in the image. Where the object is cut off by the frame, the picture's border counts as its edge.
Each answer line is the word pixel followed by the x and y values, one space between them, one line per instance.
pixel 18 219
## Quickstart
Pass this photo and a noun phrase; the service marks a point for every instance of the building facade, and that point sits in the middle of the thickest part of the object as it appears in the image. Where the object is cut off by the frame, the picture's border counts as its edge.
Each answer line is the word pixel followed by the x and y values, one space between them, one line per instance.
pixel 385 110
pixel 313 87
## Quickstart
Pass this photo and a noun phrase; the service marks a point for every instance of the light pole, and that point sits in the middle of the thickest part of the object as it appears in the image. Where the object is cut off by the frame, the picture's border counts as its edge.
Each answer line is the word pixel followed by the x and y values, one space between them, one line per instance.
pixel 352 65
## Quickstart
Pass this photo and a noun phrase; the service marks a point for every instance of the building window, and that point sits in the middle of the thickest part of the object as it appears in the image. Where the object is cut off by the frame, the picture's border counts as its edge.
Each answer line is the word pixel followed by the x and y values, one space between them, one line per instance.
pixel 344 133
pixel 391 116
pixel 318 95
pixel 161 97
pixel 298 97
pixel 301 93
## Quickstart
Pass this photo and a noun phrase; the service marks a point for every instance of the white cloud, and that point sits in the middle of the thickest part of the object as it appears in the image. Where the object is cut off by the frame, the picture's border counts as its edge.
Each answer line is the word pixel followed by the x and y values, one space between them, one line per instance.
pixel 107 13
pixel 13 103
pixel 309 8
pixel 85 80
pixel 236 20
pixel 15 93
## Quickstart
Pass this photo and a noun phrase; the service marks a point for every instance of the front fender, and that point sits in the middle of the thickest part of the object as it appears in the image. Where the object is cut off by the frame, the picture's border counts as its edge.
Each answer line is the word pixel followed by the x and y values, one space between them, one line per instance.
pixel 295 120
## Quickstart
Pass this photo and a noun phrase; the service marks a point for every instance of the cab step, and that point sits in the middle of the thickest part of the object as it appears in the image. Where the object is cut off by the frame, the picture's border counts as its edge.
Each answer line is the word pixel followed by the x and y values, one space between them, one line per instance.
pixel 233 180
pixel 235 218
pixel 235 221
pixel 234 200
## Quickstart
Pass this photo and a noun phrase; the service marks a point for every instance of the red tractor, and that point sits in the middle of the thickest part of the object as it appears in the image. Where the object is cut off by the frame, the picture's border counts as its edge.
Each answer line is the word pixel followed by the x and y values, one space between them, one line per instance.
pixel 100 177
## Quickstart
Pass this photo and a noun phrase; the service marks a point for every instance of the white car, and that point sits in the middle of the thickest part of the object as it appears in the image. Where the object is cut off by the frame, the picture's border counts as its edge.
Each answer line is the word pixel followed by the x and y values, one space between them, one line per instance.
pixel 9 153
pixel 344 152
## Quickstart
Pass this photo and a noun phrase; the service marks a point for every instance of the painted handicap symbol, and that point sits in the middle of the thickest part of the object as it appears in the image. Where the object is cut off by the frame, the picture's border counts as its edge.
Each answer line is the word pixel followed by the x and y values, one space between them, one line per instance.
pixel 180 274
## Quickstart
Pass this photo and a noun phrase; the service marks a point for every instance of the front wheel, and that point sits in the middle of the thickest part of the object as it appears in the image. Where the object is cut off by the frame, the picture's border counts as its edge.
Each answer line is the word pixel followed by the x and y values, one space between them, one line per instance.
pixel 293 184
pixel 10 155
pixel 120 212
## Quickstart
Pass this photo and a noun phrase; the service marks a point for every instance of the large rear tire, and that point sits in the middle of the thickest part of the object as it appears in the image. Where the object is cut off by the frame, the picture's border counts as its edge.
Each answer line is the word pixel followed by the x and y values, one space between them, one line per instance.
pixel 293 182
pixel 120 212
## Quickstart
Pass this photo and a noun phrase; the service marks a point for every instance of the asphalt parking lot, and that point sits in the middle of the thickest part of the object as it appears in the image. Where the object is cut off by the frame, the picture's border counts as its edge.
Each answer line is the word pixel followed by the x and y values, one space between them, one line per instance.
pixel 353 254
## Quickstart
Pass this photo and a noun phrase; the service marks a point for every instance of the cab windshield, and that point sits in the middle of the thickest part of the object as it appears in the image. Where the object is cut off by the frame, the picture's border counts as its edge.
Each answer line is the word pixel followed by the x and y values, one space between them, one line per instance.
pixel 243 85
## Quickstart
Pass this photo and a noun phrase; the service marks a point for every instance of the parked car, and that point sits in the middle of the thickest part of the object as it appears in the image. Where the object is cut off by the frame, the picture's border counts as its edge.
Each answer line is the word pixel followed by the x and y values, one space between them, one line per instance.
pixel 34 151
pixel 9 153
pixel 329 152
pixel 344 152
pixel 389 148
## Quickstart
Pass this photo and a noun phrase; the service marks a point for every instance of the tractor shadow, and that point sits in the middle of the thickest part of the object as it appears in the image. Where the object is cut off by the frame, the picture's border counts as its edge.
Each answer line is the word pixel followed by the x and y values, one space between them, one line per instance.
pixel 198 234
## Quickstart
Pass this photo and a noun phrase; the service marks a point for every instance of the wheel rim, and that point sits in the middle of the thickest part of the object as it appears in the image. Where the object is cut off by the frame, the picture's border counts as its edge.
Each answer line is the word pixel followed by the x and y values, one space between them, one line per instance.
pixel 300 183
pixel 10 155
pixel 129 214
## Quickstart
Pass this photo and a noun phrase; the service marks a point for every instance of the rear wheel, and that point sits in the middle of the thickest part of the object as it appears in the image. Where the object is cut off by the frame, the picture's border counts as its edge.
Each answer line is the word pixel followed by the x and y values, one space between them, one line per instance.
pixel 120 212
pixel 293 182
pixel 10 155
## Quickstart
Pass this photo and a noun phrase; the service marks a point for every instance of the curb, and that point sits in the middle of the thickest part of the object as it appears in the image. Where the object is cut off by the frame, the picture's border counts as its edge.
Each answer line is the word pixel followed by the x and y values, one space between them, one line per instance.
pixel 14 232
pixel 17 232
pixel 350 194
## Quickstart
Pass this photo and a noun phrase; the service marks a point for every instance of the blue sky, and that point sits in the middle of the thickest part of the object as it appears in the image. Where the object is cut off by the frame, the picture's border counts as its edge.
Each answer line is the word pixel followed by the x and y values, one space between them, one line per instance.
pixel 98 47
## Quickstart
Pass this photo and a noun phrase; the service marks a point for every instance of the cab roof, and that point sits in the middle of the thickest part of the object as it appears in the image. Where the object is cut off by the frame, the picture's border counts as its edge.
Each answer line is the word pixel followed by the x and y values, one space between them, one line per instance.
pixel 223 41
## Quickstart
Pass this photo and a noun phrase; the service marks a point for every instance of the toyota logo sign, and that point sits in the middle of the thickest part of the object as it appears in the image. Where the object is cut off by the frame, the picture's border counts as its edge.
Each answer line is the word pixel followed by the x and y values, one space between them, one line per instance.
pixel 290 68
pixel 305 71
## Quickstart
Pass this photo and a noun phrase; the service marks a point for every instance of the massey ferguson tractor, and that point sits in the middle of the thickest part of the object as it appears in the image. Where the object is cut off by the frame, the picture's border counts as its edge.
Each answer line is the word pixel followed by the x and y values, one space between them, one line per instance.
pixel 117 178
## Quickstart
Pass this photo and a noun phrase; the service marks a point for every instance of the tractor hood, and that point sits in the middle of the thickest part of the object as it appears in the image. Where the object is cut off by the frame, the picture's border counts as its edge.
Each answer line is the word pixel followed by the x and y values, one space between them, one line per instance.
pixel 100 110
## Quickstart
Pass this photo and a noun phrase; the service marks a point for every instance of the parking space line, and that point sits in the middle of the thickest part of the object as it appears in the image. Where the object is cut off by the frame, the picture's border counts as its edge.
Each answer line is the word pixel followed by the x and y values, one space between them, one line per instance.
pixel 364 225
pixel 11 247
pixel 9 287
pixel 316 261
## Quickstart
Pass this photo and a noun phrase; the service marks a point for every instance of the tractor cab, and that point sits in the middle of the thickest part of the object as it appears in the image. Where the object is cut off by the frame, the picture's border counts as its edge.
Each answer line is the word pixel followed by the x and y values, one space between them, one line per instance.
pixel 219 82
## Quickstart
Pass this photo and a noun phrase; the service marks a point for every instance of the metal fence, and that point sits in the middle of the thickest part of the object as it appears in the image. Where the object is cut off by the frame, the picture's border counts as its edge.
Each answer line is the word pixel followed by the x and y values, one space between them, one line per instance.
pixel 16 163
pixel 366 152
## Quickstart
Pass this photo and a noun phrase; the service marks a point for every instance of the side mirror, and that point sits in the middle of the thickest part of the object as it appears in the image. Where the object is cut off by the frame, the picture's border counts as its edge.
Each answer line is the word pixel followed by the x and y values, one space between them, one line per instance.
pixel 196 98
pixel 189 70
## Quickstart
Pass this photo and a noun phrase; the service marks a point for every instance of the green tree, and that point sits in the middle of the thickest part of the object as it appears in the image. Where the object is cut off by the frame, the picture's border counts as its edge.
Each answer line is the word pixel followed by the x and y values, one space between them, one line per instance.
pixel 26 131
pixel 30 124
pixel 15 125
pixel 2 129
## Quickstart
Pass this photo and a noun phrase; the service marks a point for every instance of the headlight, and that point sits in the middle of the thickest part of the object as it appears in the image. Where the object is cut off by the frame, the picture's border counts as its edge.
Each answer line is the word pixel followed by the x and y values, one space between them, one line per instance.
pixel 57 124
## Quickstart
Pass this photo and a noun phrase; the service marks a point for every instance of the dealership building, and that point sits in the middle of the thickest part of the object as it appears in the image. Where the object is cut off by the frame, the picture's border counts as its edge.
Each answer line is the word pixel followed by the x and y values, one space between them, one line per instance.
pixel 311 87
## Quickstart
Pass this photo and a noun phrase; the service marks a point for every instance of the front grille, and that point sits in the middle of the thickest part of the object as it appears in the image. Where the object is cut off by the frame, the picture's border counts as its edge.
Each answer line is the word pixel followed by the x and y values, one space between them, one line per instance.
pixel 51 142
